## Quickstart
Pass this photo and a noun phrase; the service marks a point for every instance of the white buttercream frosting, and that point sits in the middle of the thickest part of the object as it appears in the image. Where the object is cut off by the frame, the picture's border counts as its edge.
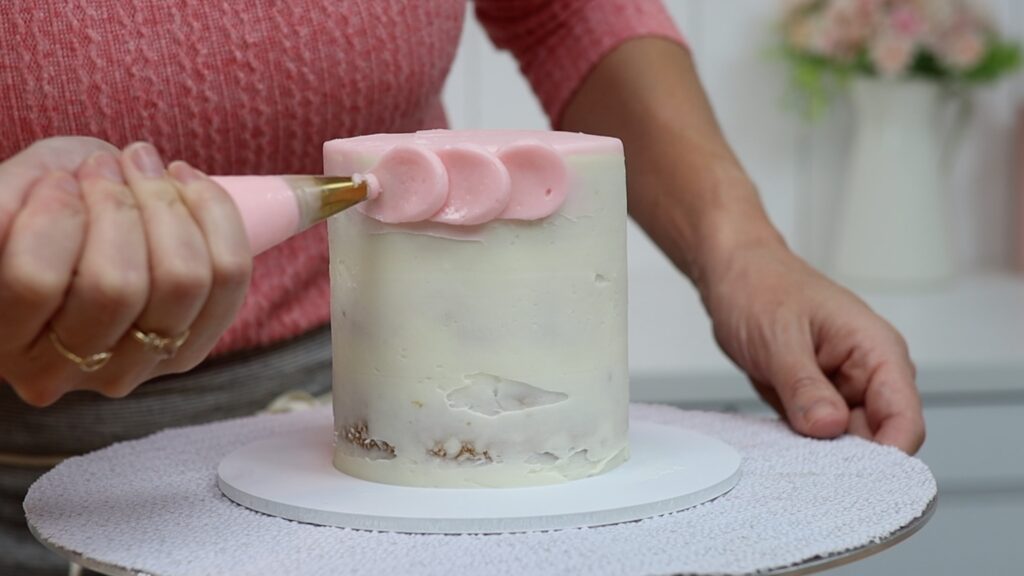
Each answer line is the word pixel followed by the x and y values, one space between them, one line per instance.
pixel 491 355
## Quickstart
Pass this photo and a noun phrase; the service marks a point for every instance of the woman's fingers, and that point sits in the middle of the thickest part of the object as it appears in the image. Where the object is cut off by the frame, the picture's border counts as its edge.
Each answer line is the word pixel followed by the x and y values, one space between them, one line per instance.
pixel 874 372
pixel 180 271
pixel 813 406
pixel 231 261
pixel 36 267
pixel 893 405
pixel 859 423
pixel 38 259
pixel 889 409
pixel 769 396
pixel 128 251
pixel 111 285
pixel 19 173
pixel 179 262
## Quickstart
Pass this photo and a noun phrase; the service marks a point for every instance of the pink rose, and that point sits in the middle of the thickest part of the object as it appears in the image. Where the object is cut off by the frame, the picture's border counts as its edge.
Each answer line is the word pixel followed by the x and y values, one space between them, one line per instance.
pixel 849 26
pixel 907 21
pixel 891 54
pixel 962 50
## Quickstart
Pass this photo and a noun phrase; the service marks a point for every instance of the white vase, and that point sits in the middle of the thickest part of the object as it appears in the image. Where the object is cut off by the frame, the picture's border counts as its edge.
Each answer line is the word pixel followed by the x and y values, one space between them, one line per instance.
pixel 894 225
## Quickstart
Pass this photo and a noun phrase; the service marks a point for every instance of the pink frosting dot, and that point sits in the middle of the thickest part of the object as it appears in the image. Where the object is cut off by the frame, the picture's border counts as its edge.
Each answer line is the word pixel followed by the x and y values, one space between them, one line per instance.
pixel 539 180
pixel 479 186
pixel 419 181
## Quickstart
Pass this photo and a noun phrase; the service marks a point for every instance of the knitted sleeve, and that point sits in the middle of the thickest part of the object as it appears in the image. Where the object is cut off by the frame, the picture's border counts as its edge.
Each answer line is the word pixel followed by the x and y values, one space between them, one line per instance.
pixel 558 42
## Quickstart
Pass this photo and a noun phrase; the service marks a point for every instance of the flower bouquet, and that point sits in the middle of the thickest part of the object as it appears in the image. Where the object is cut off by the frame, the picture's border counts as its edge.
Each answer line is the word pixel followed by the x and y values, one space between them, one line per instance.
pixel 828 41
pixel 907 64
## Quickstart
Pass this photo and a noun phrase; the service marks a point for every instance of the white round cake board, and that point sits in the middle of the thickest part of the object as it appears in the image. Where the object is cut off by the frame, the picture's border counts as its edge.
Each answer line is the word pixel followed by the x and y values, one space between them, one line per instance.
pixel 291 476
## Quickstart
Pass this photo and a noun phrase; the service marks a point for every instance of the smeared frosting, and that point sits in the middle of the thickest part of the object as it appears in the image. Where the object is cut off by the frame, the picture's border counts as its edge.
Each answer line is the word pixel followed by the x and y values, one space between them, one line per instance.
pixel 465 184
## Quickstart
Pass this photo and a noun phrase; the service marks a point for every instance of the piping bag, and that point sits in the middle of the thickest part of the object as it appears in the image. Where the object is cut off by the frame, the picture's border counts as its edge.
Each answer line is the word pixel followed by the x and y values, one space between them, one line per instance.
pixel 275 208
pixel 468 186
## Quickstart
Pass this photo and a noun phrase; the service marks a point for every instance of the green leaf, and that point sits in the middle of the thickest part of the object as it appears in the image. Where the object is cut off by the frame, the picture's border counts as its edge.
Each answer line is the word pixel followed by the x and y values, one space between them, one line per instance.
pixel 1001 58
pixel 814 81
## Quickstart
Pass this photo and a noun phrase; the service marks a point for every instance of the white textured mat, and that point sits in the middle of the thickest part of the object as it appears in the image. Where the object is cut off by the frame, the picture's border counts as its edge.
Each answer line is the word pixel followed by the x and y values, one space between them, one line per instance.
pixel 153 506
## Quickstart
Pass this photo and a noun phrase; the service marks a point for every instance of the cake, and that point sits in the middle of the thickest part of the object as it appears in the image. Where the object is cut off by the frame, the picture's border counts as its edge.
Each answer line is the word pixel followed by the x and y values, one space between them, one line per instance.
pixel 479 337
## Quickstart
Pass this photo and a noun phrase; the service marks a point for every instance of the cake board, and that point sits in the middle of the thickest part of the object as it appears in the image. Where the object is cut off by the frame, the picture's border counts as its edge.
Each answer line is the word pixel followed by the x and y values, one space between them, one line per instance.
pixel 152 506
pixel 291 476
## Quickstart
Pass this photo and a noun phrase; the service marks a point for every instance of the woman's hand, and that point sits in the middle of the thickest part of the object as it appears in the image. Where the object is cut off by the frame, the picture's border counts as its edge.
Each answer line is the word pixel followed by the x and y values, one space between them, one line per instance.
pixel 100 248
pixel 813 350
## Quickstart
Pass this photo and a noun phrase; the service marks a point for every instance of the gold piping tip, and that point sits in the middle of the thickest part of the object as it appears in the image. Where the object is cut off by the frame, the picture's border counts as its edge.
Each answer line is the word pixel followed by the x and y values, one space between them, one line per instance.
pixel 321 197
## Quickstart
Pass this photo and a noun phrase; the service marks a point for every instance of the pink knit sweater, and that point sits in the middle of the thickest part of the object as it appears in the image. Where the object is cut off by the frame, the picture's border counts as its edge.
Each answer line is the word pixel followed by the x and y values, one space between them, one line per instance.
pixel 257 87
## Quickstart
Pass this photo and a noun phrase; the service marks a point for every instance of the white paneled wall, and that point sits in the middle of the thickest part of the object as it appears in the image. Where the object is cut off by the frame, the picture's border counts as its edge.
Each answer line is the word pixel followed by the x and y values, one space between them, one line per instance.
pixel 797 167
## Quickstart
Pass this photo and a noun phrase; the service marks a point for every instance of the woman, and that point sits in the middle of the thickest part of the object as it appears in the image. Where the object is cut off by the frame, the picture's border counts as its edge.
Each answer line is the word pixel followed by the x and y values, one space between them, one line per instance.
pixel 124 275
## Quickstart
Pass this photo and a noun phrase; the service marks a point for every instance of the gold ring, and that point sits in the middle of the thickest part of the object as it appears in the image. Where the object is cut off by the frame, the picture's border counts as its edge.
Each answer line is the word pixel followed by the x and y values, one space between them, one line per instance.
pixel 90 363
pixel 165 346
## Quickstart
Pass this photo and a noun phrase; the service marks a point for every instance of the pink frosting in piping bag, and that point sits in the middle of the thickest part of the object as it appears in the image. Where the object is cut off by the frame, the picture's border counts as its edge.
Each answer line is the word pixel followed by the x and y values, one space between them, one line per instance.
pixel 267 204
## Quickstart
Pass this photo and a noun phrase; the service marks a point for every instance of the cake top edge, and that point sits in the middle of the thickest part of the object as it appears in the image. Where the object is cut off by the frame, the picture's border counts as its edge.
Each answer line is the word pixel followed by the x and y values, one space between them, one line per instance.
pixel 563 142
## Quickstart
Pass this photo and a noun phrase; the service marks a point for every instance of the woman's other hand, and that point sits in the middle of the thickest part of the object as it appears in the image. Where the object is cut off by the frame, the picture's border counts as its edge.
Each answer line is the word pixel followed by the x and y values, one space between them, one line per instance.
pixel 814 351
